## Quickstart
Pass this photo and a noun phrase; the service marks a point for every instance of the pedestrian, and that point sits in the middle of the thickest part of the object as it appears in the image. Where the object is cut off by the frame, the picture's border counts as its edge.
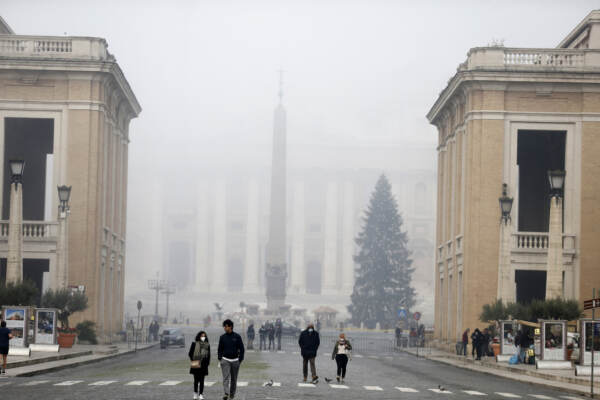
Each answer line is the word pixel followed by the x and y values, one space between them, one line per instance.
pixel 473 335
pixel 524 343
pixel 465 341
pixel 230 354
pixel 250 335
pixel 5 337
pixel 271 332
pixel 398 335
pixel 341 355
pixel 309 344
pixel 477 338
pixel 278 326
pixel 318 325
pixel 485 343
pixel 262 333
pixel 200 360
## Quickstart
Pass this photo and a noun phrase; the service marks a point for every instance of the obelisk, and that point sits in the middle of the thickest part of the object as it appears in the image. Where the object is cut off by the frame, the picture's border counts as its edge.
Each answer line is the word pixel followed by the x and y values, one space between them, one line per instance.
pixel 276 261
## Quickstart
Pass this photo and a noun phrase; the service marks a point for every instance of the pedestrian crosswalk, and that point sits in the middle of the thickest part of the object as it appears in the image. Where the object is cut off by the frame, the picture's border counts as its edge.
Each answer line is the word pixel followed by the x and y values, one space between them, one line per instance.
pixel 441 391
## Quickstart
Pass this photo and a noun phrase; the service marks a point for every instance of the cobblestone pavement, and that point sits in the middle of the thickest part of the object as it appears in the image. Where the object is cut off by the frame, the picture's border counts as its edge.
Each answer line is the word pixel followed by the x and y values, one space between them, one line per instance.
pixel 163 374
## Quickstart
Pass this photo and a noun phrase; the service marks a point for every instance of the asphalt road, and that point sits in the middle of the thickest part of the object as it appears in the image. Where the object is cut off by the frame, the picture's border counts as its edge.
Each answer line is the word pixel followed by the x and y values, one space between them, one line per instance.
pixel 163 374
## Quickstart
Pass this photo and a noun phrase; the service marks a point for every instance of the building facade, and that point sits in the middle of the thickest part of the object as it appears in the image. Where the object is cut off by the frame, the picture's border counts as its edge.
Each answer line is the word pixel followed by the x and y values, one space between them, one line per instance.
pixel 65 108
pixel 508 116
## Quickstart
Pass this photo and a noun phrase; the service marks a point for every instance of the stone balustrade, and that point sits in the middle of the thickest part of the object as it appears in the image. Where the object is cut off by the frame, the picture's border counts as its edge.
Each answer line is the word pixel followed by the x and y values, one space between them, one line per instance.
pixel 511 58
pixel 55 47
pixel 33 230
pixel 539 241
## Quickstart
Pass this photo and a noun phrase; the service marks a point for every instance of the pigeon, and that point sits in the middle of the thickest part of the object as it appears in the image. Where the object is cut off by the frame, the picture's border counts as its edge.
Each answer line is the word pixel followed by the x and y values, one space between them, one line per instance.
pixel 270 383
pixel 328 380
pixel 441 388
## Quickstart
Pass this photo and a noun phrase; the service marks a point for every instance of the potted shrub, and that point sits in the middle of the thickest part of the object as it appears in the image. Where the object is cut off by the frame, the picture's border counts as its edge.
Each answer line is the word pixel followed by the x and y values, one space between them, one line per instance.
pixel 67 302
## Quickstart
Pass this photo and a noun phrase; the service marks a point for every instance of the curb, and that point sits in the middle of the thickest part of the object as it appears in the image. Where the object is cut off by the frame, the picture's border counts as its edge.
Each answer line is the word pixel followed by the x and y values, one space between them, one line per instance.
pixel 489 370
pixel 80 363
pixel 64 356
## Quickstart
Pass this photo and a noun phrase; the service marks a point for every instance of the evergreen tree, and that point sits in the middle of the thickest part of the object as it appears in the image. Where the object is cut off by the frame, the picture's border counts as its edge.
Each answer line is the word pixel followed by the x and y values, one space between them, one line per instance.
pixel 383 276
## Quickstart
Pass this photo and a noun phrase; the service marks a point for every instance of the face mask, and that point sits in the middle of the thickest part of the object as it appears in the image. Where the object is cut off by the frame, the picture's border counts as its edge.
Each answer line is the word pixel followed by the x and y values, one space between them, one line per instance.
pixel 203 338
pixel 310 330
pixel 342 340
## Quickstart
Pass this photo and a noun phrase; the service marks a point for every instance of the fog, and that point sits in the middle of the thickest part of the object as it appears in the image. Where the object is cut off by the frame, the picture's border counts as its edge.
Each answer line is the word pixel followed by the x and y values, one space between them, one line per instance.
pixel 359 77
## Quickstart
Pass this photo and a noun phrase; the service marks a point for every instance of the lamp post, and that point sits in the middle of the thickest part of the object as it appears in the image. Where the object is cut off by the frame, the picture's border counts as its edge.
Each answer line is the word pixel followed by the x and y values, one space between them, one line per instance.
pixel 14 263
pixel 554 267
pixel 506 290
pixel 62 253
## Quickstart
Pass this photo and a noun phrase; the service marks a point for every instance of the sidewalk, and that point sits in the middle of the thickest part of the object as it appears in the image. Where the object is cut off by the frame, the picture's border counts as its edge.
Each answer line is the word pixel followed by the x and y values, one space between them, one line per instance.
pixel 564 380
pixel 42 362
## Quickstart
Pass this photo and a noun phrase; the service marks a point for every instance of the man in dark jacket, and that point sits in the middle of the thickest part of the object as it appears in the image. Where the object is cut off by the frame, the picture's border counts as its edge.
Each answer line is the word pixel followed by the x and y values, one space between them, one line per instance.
pixel 230 354
pixel 278 326
pixel 262 333
pixel 309 344
pixel 477 338
pixel 250 335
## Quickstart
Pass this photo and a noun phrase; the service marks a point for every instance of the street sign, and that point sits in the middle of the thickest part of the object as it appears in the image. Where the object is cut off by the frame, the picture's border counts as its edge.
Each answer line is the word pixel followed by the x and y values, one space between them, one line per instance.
pixel 417 316
pixel 402 313
pixel 590 304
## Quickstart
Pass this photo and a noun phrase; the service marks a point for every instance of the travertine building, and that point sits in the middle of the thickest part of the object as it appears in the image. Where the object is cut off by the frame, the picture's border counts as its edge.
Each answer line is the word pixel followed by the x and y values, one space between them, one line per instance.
pixel 65 108
pixel 508 116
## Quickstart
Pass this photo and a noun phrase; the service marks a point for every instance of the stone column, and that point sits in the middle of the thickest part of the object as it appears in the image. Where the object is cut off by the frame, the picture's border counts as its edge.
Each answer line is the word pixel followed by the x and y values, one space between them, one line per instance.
pixel 202 267
pixel 298 275
pixel 14 263
pixel 252 256
pixel 330 248
pixel 348 239
pixel 506 290
pixel 554 266
pixel 219 266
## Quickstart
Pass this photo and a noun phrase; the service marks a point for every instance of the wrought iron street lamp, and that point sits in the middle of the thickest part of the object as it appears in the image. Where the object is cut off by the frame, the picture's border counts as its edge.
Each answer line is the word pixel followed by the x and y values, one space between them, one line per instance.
pixel 557 182
pixel 64 193
pixel 16 170
pixel 505 204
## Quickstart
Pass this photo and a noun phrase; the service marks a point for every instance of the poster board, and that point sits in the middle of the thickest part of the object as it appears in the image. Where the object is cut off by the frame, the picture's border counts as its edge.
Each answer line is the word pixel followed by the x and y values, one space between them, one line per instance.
pixel 45 325
pixel 16 318
pixel 553 340
pixel 508 332
pixel 585 343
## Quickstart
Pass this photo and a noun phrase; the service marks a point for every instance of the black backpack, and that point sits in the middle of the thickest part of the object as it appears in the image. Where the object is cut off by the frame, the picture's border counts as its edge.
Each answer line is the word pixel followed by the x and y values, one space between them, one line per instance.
pixel 518 340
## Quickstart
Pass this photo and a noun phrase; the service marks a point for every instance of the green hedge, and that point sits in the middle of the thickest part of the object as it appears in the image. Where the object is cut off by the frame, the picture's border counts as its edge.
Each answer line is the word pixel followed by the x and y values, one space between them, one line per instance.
pixel 558 309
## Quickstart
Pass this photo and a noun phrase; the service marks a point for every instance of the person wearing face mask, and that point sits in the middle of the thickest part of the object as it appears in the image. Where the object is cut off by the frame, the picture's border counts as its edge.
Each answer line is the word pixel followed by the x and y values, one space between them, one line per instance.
pixel 309 344
pixel 200 359
pixel 341 354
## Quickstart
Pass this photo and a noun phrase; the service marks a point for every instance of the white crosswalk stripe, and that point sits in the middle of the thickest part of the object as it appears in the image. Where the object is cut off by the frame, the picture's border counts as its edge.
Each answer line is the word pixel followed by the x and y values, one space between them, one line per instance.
pixel 440 391
pixel 339 386
pixel 209 384
pixel 4 384
pixel 101 383
pixel 508 395
pixel 34 383
pixel 136 383
pixel 407 390
pixel 242 384
pixel 306 385
pixel 274 384
pixel 358 356
pixel 542 396
pixel 377 388
pixel 67 383
pixel 474 393
pixel 570 398
pixel 170 383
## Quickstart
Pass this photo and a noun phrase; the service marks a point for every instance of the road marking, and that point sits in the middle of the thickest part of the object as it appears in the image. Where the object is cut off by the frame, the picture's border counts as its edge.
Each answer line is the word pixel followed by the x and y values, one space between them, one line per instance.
pixel 407 390
pixel 339 386
pixel 4 384
pixel 67 383
pixel 389 358
pixel 306 385
pixel 170 383
pixel 101 383
pixel 474 393
pixel 509 395
pixel 209 384
pixel 379 388
pixel 242 384
pixel 374 357
pixel 358 356
pixel 541 396
pixel 440 391
pixel 136 383
pixel 296 352
pixel 280 352
pixel 274 384
pixel 34 383
pixel 571 398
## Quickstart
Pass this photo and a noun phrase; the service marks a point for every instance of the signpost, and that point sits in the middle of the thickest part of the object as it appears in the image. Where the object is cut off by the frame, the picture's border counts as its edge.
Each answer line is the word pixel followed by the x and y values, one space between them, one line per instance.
pixel 417 316
pixel 592 304
pixel 45 326
pixel 137 333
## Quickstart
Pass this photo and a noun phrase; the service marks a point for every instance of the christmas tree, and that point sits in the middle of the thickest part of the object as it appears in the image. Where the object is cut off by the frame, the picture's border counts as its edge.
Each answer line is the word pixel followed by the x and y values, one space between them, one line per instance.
pixel 383 275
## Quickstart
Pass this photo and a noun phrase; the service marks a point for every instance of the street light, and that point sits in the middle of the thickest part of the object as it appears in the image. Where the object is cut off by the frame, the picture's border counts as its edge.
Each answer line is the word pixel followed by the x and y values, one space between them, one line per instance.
pixel 557 182
pixel 16 170
pixel 64 193
pixel 505 204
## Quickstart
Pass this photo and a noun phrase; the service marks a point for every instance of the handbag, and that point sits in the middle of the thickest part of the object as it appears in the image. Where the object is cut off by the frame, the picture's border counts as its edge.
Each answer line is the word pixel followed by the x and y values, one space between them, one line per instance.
pixel 195 364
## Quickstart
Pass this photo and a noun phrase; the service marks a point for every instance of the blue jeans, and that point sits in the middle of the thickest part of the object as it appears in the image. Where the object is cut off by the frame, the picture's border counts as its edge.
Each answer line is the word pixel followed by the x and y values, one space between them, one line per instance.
pixel 465 344
pixel 522 354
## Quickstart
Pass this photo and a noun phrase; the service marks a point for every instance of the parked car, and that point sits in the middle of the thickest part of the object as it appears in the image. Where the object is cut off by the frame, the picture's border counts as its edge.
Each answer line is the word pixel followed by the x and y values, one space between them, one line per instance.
pixel 288 329
pixel 172 337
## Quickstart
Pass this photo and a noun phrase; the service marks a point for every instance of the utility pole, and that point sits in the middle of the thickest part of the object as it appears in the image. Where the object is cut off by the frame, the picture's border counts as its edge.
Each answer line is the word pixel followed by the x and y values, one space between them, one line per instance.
pixel 137 333
pixel 156 285
pixel 168 290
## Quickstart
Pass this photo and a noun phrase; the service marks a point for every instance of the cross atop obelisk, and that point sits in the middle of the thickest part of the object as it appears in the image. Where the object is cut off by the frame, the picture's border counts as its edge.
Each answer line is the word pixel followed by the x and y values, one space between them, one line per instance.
pixel 276 268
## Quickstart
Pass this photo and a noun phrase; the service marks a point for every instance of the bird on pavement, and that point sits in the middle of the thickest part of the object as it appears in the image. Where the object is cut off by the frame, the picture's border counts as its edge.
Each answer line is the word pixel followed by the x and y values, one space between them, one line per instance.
pixel 328 380
pixel 270 383
pixel 440 387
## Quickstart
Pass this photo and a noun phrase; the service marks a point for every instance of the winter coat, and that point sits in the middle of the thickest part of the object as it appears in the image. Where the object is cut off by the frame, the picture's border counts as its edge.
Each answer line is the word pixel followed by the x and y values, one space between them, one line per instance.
pixel 204 362
pixel 336 348
pixel 309 343
pixel 262 332
pixel 250 332
pixel 231 346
